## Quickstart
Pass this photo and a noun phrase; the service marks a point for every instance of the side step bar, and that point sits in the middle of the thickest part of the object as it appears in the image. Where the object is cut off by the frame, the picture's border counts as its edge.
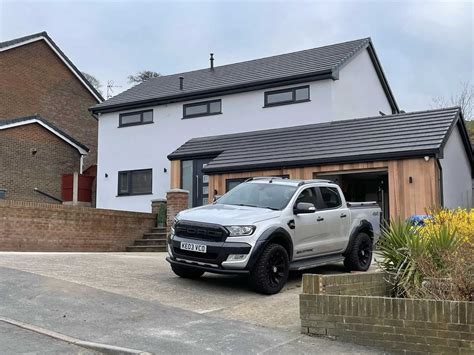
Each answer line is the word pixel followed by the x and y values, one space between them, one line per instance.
pixel 315 262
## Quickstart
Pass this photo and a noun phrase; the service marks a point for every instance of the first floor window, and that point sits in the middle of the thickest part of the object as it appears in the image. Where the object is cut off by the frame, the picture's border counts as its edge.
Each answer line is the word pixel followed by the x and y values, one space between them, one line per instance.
pixel 287 96
pixel 204 108
pixel 135 118
pixel 135 182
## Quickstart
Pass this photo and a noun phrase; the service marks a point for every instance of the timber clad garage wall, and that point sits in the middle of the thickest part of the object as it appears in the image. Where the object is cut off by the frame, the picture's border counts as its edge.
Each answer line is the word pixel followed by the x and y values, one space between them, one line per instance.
pixel 456 174
pixel 406 198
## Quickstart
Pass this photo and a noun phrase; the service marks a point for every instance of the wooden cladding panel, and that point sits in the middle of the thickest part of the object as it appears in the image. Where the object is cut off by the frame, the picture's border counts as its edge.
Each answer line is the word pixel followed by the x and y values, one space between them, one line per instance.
pixel 175 174
pixel 405 198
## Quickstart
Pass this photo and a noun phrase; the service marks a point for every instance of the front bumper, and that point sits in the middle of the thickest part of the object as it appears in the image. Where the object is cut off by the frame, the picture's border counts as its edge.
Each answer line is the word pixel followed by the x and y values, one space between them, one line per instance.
pixel 215 257
pixel 215 270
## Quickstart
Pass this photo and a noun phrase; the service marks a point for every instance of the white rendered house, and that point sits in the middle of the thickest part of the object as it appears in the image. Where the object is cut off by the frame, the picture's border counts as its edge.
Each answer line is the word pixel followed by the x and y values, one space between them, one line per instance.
pixel 141 126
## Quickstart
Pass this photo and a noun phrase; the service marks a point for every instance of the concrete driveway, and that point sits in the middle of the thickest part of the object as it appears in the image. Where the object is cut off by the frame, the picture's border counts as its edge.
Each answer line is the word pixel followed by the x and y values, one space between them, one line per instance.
pixel 145 281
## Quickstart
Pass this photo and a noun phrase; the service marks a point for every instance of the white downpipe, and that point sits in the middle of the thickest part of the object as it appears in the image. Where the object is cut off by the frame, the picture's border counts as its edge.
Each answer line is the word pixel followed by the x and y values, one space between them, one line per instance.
pixel 81 164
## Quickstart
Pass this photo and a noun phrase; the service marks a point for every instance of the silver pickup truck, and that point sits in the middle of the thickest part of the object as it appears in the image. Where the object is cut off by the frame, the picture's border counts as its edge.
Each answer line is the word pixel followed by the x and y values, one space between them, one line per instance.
pixel 266 227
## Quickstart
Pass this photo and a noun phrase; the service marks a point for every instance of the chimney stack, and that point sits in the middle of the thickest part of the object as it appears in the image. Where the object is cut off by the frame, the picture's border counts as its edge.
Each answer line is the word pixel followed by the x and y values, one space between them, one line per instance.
pixel 181 83
pixel 212 61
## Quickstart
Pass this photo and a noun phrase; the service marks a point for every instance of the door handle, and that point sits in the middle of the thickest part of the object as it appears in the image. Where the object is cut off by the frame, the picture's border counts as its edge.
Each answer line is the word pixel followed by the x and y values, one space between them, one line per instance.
pixel 320 219
pixel 343 215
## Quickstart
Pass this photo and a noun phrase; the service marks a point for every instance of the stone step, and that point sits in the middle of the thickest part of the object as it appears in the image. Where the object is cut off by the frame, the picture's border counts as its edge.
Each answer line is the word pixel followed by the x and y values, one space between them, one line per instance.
pixel 151 242
pixel 158 230
pixel 154 236
pixel 145 248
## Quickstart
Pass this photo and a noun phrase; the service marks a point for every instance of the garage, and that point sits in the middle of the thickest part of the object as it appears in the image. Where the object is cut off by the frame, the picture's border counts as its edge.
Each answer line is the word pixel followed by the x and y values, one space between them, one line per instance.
pixel 406 162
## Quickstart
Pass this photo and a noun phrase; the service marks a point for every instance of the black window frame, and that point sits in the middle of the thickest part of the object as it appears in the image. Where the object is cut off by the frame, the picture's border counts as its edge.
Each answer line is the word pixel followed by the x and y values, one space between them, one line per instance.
pixel 208 111
pixel 129 182
pixel 288 102
pixel 132 114
pixel 243 179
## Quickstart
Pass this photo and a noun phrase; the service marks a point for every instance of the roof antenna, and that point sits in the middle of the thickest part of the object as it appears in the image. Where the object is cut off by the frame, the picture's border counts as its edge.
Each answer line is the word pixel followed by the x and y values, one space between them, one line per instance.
pixel 212 61
pixel 181 83
pixel 381 113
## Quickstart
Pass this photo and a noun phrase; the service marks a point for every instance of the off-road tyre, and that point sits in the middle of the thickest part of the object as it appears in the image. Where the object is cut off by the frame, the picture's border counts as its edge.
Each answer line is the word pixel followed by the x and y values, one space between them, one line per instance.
pixel 186 272
pixel 359 256
pixel 271 270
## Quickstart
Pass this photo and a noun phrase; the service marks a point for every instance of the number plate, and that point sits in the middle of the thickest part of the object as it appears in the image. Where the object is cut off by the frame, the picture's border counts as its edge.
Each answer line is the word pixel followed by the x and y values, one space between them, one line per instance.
pixel 200 248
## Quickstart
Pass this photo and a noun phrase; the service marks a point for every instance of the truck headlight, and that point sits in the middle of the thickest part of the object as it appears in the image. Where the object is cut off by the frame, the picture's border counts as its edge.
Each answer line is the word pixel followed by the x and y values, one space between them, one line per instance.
pixel 173 225
pixel 240 231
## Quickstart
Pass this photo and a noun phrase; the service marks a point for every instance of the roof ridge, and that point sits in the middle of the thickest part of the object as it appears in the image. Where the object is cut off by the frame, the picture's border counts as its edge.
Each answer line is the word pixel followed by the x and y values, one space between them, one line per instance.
pixel 262 58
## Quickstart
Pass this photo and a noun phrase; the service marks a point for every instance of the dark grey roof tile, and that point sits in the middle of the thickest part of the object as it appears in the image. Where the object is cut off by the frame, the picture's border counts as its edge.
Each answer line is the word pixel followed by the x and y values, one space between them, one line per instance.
pixel 400 135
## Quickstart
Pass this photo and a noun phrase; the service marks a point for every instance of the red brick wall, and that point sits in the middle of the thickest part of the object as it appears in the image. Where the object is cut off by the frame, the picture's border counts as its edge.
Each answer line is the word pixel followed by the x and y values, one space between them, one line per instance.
pixel 33 79
pixel 21 170
pixel 26 226
pixel 176 201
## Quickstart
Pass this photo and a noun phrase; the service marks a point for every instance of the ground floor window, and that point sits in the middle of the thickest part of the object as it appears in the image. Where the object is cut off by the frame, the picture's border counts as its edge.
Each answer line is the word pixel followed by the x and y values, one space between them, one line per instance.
pixel 135 182
pixel 231 183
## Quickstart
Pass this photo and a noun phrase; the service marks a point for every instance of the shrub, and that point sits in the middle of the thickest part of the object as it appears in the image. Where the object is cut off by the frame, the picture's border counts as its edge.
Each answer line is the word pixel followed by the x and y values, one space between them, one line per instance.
pixel 461 220
pixel 431 261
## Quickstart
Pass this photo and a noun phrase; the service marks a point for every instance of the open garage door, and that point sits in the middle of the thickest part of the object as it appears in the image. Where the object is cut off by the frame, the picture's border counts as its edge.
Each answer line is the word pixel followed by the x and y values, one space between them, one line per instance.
pixel 364 185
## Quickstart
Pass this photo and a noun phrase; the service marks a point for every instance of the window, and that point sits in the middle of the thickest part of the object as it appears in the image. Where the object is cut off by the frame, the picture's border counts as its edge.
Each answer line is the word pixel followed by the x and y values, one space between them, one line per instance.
pixel 287 96
pixel 307 196
pixel 202 109
pixel 135 118
pixel 330 197
pixel 135 182
pixel 3 193
pixel 231 183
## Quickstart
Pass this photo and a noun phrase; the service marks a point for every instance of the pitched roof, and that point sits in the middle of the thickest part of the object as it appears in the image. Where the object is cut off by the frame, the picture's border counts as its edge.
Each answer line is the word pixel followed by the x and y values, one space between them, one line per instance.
pixel 311 64
pixel 6 45
pixel 20 121
pixel 414 134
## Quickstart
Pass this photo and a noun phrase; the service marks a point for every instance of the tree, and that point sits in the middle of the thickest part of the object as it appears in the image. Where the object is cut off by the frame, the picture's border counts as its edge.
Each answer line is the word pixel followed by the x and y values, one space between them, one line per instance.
pixel 464 99
pixel 93 81
pixel 142 76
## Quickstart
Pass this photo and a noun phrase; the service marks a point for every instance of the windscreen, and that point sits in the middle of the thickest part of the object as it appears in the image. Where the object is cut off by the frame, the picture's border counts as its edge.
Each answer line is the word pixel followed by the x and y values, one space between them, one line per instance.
pixel 267 195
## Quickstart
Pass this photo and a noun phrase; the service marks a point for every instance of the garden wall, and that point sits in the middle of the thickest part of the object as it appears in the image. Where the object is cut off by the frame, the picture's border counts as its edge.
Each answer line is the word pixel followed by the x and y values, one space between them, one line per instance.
pixel 30 226
pixel 330 306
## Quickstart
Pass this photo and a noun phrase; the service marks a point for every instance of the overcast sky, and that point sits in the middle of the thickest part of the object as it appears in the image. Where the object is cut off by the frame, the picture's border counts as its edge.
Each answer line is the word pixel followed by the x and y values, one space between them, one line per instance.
pixel 426 48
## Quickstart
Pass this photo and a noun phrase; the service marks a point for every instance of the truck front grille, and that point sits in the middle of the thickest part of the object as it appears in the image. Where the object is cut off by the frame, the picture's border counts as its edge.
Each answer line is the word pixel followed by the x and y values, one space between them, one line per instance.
pixel 201 231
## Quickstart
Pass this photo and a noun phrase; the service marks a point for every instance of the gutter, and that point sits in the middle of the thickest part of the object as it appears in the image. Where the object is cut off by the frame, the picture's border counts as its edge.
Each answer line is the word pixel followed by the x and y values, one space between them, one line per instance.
pixel 326 74
pixel 315 162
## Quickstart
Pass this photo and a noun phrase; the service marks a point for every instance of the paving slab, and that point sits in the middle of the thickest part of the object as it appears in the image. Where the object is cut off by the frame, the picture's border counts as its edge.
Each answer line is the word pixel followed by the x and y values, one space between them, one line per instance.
pixel 99 316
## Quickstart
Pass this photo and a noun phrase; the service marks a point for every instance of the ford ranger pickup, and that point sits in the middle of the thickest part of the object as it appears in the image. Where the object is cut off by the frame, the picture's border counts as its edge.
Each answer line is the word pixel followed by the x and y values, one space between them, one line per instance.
pixel 266 227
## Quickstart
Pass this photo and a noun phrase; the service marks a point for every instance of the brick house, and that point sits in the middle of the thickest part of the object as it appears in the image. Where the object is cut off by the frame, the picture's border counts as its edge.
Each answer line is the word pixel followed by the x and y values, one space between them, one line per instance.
pixel 41 86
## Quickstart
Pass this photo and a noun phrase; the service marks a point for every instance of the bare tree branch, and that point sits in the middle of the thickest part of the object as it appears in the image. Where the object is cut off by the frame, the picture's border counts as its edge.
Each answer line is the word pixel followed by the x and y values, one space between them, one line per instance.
pixel 142 76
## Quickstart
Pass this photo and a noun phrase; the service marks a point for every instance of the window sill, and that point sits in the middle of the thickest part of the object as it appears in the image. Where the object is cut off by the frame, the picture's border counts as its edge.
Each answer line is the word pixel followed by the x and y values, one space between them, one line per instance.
pixel 129 195
pixel 286 103
pixel 134 124
pixel 203 115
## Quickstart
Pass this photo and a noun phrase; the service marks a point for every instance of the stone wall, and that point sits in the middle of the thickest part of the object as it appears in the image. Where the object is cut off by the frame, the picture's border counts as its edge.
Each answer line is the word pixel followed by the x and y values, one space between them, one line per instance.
pixel 391 324
pixel 30 226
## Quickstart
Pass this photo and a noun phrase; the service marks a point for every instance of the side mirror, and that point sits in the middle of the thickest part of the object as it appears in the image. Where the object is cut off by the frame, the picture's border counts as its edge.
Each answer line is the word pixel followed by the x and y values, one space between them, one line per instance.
pixel 304 207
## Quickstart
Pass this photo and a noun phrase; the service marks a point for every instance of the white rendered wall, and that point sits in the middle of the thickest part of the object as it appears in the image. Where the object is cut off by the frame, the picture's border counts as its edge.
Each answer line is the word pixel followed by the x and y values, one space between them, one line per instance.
pixel 147 146
pixel 457 179
pixel 359 93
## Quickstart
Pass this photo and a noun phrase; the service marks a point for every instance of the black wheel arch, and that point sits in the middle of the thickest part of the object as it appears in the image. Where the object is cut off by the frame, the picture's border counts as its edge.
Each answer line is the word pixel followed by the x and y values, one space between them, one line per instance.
pixel 277 235
pixel 363 227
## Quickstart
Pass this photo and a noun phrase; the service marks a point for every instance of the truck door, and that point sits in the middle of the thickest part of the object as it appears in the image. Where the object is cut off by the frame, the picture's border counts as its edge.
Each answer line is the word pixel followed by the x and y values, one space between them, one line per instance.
pixel 306 226
pixel 337 219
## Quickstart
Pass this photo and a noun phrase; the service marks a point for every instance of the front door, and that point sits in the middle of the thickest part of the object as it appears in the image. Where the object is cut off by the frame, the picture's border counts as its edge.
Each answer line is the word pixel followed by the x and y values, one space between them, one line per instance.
pixel 201 180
